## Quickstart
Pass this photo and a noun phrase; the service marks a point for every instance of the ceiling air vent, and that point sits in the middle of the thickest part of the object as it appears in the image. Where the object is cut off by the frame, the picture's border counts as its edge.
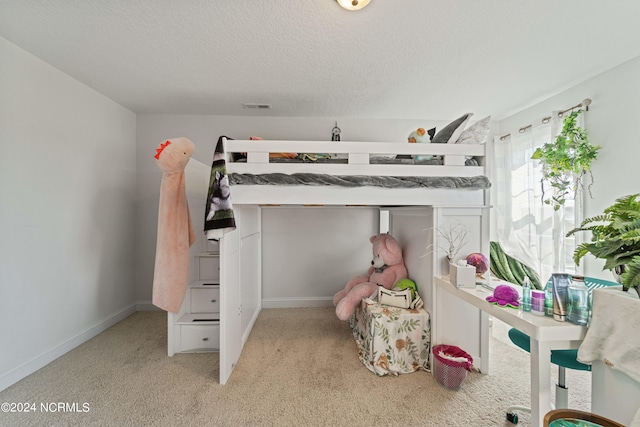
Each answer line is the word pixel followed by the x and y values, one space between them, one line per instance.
pixel 257 106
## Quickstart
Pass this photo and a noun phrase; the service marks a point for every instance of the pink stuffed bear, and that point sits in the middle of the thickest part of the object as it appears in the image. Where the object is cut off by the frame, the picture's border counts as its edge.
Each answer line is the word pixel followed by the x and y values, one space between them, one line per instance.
pixel 387 267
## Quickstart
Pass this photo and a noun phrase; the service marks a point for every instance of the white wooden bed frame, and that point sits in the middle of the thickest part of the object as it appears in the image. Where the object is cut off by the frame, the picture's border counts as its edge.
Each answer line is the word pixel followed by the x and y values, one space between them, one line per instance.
pixel 358 155
pixel 414 215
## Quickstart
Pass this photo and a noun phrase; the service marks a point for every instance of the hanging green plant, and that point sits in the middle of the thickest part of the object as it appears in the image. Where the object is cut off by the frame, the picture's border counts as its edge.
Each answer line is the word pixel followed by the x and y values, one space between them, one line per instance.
pixel 565 161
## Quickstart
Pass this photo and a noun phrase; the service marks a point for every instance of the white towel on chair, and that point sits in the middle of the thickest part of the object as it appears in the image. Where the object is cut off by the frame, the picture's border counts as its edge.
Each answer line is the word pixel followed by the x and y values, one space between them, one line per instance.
pixel 614 331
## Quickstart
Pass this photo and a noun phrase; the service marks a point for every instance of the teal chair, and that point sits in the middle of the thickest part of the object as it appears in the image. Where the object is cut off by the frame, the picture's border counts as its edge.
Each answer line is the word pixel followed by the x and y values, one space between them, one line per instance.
pixel 563 358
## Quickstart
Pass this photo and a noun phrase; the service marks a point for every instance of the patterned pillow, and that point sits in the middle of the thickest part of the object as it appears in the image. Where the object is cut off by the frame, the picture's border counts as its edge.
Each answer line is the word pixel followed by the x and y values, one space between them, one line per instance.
pixel 476 133
pixel 451 132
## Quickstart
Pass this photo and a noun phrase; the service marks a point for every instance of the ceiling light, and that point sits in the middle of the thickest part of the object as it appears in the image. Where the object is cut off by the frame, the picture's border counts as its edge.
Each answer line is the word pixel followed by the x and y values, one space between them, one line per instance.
pixel 353 4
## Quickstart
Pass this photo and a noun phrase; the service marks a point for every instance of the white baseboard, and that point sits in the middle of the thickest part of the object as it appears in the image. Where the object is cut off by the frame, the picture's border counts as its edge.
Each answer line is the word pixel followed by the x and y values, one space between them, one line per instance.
pixel 14 375
pixel 297 302
pixel 146 306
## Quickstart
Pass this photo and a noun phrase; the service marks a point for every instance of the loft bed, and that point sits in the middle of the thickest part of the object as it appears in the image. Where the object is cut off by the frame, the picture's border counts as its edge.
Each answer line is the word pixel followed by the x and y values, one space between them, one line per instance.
pixel 420 195
pixel 356 173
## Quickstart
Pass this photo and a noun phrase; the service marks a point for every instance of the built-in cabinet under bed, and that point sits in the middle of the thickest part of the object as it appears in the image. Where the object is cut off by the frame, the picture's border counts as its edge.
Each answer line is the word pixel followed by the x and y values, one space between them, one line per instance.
pixel 242 253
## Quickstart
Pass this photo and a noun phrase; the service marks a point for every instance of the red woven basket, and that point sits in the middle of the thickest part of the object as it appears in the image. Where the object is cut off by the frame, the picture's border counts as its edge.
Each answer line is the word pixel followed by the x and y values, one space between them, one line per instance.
pixel 451 373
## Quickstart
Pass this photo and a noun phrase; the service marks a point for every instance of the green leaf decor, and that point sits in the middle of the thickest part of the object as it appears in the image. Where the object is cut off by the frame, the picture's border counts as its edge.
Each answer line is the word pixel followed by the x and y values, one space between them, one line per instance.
pixel 565 161
pixel 615 238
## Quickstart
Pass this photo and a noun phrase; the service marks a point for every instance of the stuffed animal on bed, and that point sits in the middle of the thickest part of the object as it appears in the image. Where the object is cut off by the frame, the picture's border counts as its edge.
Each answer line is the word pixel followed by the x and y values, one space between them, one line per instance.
pixel 421 136
pixel 387 268
pixel 418 135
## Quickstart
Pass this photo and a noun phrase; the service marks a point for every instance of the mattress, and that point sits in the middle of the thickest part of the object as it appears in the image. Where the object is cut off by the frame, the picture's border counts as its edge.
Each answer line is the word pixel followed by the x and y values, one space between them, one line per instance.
pixel 449 182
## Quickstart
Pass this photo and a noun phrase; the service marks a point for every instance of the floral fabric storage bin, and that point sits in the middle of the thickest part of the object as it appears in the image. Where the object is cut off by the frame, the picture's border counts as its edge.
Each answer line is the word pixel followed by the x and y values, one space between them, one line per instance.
pixel 391 340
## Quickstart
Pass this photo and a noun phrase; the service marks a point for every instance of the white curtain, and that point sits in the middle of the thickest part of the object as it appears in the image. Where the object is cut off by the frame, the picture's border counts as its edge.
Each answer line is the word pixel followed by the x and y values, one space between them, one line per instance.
pixel 525 226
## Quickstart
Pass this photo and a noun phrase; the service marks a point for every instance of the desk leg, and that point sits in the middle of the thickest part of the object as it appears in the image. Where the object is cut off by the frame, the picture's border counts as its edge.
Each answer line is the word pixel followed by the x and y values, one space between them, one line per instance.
pixel 435 327
pixel 540 381
pixel 485 330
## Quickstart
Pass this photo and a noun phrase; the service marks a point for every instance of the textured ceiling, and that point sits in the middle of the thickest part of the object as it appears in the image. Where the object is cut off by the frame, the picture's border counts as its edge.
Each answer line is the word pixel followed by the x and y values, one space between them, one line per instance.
pixel 413 59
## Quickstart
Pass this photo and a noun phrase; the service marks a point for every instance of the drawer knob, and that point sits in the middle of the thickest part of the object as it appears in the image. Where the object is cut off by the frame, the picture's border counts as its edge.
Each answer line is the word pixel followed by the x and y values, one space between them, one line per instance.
pixel 214 300
pixel 205 339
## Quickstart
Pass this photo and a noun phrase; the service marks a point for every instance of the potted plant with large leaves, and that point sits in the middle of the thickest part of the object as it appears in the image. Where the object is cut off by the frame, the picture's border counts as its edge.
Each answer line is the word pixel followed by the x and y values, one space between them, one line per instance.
pixel 615 239
pixel 565 161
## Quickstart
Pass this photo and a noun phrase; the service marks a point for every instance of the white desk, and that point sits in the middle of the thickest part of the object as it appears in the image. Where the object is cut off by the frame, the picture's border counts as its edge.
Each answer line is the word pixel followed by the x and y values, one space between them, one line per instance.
pixel 546 335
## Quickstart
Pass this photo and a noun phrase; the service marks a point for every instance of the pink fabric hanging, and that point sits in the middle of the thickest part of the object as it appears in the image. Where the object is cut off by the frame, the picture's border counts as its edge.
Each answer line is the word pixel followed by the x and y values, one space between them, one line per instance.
pixel 175 231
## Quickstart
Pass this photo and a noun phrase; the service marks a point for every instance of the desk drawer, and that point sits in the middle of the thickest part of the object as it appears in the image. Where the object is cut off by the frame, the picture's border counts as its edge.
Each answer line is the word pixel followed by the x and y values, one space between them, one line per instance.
pixel 205 300
pixel 199 337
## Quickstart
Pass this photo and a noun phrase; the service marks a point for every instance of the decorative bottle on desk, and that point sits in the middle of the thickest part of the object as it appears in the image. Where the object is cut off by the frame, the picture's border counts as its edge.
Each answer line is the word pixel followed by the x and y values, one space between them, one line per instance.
pixel 578 309
pixel 537 302
pixel 526 295
pixel 548 299
pixel 560 296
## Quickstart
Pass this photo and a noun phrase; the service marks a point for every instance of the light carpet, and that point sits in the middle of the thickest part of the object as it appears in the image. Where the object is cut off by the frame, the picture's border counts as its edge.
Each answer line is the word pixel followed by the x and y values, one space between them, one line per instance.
pixel 299 367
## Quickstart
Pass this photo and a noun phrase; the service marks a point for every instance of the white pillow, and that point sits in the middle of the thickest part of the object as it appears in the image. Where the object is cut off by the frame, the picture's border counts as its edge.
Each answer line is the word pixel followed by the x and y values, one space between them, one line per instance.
pixel 476 133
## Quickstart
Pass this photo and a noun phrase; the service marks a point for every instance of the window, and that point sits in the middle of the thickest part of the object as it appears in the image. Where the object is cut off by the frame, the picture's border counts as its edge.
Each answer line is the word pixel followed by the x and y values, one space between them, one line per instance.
pixel 527 228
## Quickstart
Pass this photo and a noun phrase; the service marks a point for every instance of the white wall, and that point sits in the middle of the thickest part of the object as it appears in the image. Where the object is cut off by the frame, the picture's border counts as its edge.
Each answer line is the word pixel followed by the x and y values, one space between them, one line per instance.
pixel 311 252
pixel 611 122
pixel 67 173
pixel 204 132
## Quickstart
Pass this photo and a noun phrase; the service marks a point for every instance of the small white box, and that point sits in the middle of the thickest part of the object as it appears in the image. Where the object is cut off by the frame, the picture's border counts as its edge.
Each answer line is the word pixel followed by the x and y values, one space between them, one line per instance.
pixel 462 276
